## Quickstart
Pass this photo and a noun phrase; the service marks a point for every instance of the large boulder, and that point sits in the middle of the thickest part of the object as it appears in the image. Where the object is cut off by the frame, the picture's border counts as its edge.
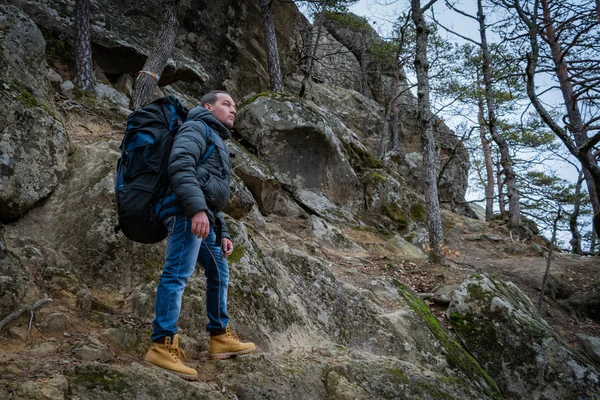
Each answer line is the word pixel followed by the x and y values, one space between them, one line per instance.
pixel 22 52
pixel 300 144
pixel 34 144
pixel 362 115
pixel 502 329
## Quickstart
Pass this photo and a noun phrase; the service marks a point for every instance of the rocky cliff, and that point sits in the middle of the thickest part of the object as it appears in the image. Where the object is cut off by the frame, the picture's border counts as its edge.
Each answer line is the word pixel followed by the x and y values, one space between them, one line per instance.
pixel 327 236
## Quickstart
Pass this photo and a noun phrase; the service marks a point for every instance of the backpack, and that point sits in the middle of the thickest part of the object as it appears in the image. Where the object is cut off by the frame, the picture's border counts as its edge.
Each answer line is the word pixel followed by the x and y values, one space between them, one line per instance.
pixel 142 171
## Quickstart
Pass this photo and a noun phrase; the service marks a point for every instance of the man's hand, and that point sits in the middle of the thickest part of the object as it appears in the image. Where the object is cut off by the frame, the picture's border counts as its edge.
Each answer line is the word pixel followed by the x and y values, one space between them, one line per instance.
pixel 227 247
pixel 200 225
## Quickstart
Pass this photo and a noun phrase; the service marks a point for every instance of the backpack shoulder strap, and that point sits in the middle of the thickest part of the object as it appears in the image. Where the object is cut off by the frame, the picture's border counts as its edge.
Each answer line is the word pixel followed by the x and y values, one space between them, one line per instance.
pixel 210 140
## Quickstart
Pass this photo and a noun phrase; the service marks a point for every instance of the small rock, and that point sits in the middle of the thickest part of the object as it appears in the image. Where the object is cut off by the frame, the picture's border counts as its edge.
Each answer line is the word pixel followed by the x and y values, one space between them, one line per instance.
pixel 111 95
pixel 12 369
pixel 84 300
pixel 27 389
pixel 18 332
pixel 55 322
pixel 88 354
pixel 54 77
pixel 493 238
pixel 591 345
pixel 67 86
pixel 123 337
pixel 44 349
pixel 125 85
pixel 191 38
pixel 55 388
pixel 443 295
pixel 473 237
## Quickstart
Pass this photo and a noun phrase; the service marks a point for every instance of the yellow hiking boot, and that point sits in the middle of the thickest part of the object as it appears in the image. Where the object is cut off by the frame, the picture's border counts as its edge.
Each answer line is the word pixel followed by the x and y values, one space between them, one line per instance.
pixel 228 345
pixel 169 356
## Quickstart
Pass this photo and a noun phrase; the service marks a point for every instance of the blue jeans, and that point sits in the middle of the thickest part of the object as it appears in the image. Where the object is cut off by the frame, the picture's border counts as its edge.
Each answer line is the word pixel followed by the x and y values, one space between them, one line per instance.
pixel 183 250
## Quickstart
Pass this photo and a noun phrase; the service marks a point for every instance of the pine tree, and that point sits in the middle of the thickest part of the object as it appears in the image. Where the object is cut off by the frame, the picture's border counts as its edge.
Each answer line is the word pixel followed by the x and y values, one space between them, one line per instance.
pixel 84 74
pixel 425 118
pixel 562 40
pixel 273 63
pixel 147 79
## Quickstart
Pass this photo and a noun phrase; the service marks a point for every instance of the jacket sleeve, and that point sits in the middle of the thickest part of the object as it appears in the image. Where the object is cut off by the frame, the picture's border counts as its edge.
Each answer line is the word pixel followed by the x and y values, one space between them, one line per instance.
pixel 224 230
pixel 188 147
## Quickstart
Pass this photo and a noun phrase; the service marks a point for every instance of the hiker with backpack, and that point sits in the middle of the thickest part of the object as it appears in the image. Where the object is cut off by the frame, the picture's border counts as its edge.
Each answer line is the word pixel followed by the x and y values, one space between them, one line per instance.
pixel 190 209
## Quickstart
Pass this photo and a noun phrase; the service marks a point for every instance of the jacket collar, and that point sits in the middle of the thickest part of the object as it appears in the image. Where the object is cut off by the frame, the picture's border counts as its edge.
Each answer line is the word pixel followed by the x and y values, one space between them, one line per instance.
pixel 202 113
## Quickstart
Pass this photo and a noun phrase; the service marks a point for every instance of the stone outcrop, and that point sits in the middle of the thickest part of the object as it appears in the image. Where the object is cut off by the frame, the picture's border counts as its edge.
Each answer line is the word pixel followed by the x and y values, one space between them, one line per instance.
pixel 306 321
pixel 217 49
pixel 501 328
pixel 300 144
pixel 33 144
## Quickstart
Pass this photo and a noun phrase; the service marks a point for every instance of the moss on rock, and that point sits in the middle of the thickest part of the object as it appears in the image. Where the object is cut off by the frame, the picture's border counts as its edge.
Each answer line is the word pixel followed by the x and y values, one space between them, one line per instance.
pixel 237 254
pixel 418 212
pixel 456 355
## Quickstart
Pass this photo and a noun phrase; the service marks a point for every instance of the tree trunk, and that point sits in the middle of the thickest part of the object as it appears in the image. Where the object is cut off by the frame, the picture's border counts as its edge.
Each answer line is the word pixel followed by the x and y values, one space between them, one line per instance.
pixel 313 51
pixel 275 78
pixel 425 120
pixel 84 73
pixel 396 111
pixel 489 167
pixel 385 133
pixel 500 184
pixel 576 125
pixel 514 206
pixel 549 260
pixel 575 235
pixel 598 9
pixel 147 79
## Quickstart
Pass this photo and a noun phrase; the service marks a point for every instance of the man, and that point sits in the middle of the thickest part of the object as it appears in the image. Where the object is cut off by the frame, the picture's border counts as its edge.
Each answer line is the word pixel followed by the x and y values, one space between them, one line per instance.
pixel 200 175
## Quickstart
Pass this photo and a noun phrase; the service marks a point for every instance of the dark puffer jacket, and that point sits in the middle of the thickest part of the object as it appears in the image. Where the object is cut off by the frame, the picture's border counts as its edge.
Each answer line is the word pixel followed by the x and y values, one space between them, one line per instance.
pixel 199 186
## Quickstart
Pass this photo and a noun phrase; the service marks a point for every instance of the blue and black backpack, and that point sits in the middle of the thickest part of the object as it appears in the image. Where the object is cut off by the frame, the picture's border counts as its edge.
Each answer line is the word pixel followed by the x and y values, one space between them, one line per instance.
pixel 142 171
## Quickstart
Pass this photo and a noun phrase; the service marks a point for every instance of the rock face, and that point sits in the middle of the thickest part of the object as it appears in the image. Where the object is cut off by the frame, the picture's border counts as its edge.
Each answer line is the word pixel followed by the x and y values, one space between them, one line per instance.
pixel 356 34
pixel 300 144
pixel 229 50
pixel 501 328
pixel 34 144
pixel 337 65
pixel 319 337
pixel 270 197
pixel 359 113
pixel 16 286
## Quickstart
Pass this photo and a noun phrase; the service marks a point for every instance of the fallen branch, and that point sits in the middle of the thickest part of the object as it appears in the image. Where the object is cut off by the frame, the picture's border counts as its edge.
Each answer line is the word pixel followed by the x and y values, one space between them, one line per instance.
pixel 18 313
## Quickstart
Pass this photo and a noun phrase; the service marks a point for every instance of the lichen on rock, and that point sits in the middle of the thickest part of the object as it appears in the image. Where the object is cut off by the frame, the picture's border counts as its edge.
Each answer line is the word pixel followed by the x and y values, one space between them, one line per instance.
pixel 502 329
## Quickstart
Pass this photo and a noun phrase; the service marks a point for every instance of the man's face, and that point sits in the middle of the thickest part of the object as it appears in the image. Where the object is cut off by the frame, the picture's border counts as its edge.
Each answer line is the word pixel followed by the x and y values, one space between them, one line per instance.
pixel 223 109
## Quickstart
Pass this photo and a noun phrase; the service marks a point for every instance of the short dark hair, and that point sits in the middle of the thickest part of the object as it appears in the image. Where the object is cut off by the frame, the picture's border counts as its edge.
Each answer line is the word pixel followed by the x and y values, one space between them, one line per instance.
pixel 211 97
